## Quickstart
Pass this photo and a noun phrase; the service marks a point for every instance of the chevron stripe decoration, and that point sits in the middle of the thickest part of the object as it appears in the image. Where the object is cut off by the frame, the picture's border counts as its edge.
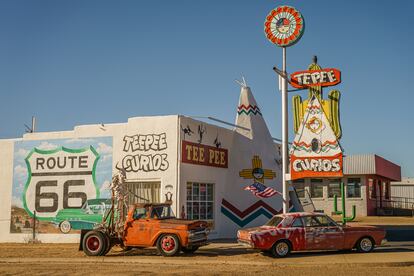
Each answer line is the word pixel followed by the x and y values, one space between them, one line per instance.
pixel 248 109
pixel 242 218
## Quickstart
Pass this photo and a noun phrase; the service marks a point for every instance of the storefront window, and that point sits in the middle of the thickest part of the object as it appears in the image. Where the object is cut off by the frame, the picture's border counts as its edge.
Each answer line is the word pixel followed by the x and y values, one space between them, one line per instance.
pixel 316 188
pixel 200 200
pixel 334 187
pixel 299 186
pixel 354 187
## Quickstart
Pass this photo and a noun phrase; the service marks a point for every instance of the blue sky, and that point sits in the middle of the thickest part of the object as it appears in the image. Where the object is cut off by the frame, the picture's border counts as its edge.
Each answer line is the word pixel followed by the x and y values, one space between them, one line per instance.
pixel 82 62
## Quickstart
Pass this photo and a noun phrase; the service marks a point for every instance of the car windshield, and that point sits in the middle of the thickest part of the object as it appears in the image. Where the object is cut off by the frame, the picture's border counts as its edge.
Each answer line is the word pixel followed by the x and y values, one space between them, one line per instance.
pixel 162 212
pixel 275 221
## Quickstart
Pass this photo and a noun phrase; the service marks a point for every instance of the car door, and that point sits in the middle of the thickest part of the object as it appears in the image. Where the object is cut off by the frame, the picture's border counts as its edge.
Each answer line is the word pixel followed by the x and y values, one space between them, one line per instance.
pixel 297 234
pixel 321 233
pixel 313 233
pixel 332 235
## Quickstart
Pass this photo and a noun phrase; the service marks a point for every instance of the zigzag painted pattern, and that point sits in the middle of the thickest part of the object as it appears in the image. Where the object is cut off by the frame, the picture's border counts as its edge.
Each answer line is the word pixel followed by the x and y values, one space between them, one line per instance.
pixel 248 109
pixel 328 145
pixel 242 218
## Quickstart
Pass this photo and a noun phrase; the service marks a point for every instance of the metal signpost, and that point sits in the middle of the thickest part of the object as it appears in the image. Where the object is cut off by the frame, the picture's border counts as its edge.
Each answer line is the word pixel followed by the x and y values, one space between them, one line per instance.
pixel 284 26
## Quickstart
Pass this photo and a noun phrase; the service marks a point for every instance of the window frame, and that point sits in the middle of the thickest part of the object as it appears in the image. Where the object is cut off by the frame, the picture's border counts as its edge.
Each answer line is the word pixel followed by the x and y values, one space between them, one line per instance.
pixel 312 187
pixel 203 200
pixel 330 182
pixel 348 182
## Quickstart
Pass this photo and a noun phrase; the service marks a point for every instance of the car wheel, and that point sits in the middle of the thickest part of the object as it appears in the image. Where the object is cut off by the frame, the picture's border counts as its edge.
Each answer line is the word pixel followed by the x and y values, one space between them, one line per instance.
pixel 168 245
pixel 94 243
pixel 281 249
pixel 365 245
pixel 65 227
pixel 189 250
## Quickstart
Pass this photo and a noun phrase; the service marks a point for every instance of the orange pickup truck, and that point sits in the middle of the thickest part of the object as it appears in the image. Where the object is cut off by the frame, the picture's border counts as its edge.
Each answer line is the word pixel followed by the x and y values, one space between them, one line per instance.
pixel 146 225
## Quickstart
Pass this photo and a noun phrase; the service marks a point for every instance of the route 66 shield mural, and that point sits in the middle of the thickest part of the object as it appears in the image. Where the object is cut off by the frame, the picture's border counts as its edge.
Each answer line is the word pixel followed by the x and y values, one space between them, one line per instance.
pixel 56 178
pixel 59 179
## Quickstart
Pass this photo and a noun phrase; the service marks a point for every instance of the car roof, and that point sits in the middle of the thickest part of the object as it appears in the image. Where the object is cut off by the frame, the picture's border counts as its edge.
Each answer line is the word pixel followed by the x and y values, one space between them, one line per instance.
pixel 302 214
pixel 96 201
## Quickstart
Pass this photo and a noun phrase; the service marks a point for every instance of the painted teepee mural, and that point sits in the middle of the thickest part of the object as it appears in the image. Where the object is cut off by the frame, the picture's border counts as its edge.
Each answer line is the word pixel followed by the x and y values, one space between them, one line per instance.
pixel 316 151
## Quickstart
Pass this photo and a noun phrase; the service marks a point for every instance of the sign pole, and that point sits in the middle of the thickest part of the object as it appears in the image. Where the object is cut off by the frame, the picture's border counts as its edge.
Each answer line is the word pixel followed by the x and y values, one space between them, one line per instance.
pixel 285 160
pixel 284 26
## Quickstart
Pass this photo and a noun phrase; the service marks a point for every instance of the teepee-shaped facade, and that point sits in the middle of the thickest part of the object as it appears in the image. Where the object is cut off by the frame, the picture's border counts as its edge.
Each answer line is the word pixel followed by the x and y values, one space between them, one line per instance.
pixel 315 151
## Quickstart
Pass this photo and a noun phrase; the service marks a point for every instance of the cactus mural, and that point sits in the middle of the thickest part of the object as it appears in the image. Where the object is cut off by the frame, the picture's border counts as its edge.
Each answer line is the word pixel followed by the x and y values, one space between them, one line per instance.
pixel 345 219
pixel 330 106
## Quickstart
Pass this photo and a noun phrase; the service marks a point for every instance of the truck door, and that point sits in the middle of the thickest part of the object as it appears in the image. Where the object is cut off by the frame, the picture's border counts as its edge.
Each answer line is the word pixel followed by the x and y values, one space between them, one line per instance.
pixel 136 233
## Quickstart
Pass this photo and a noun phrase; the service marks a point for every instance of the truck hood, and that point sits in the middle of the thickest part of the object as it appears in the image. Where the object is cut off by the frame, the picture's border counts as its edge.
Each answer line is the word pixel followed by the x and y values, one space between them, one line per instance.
pixel 191 224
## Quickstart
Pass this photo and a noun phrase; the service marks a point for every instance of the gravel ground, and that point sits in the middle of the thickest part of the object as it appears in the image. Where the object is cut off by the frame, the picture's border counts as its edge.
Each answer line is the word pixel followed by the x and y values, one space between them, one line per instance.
pixel 215 259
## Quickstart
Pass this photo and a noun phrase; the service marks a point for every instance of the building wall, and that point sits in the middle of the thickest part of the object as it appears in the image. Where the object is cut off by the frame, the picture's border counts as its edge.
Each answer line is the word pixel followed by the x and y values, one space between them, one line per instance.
pixel 326 203
pixel 115 144
pixel 231 201
pixel 403 188
pixel 120 146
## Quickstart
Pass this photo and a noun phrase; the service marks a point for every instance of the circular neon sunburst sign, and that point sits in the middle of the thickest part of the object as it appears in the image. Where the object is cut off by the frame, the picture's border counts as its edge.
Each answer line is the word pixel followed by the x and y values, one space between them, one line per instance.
pixel 284 26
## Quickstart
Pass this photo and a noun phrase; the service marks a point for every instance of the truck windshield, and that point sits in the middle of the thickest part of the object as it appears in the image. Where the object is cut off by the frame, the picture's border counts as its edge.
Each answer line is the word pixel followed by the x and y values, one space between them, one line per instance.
pixel 162 212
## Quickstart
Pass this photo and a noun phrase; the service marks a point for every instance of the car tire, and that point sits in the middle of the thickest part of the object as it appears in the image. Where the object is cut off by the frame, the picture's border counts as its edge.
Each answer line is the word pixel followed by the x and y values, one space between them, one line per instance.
pixel 189 250
pixel 365 245
pixel 281 249
pixel 94 243
pixel 65 227
pixel 168 245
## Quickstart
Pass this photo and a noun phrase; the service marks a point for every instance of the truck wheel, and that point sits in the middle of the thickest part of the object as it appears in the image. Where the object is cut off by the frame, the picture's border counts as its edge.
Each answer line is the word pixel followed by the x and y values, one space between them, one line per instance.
pixel 189 250
pixel 365 245
pixel 108 244
pixel 281 249
pixel 65 227
pixel 94 243
pixel 168 245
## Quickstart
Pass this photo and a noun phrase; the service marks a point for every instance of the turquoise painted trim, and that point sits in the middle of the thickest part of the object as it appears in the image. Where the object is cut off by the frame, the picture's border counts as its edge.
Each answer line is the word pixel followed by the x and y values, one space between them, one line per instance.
pixel 255 112
pixel 248 219
pixel 40 151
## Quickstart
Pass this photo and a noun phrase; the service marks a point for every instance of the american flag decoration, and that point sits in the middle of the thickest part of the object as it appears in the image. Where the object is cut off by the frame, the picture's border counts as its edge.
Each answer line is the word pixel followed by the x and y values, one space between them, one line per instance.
pixel 260 190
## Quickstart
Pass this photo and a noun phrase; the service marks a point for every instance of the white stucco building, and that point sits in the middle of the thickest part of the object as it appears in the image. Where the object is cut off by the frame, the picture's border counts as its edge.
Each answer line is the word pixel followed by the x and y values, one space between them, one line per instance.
pixel 204 167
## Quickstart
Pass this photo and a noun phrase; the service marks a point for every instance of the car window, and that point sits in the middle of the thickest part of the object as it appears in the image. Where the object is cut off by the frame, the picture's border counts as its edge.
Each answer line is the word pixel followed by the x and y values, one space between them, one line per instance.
pixel 140 213
pixel 325 221
pixel 310 221
pixel 318 221
pixel 298 223
pixel 274 221
pixel 96 209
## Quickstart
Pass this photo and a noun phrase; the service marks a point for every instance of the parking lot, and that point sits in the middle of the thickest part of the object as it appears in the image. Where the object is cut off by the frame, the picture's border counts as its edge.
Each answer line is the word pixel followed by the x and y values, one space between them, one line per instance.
pixel 394 258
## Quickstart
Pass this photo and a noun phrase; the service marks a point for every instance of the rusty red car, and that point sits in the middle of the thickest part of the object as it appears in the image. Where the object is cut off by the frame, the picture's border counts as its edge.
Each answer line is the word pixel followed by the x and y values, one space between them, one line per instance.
pixel 309 231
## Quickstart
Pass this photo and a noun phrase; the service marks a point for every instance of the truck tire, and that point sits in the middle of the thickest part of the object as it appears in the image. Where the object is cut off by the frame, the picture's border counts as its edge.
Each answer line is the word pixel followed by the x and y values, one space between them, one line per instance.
pixel 94 243
pixel 189 250
pixel 108 244
pixel 168 245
